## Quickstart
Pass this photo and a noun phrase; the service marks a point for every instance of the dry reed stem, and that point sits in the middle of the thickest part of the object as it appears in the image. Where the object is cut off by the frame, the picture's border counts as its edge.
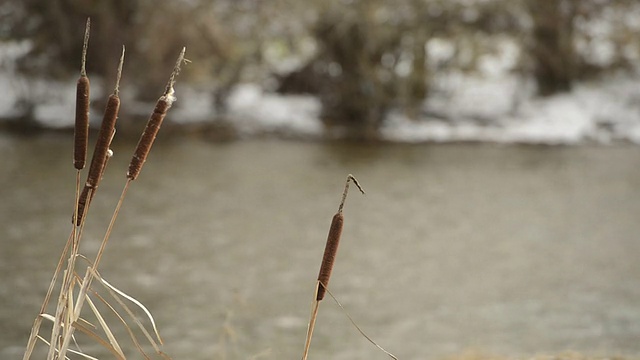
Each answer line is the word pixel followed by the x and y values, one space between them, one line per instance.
pixel 312 324
pixel 353 322
pixel 155 121
pixel 36 325
pixel 81 130
pixel 86 283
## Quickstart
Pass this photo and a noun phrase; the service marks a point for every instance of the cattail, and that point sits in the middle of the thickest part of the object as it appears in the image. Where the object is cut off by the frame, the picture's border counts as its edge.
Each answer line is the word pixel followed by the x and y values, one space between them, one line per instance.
pixel 153 125
pixel 329 257
pixel 104 141
pixel 102 150
pixel 330 250
pixel 333 240
pixel 81 132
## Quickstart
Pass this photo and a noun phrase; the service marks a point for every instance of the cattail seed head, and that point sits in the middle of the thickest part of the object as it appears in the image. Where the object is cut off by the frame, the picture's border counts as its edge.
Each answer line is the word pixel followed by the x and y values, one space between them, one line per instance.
pixel 103 142
pixel 81 130
pixel 155 121
pixel 148 137
pixel 83 202
pixel 330 251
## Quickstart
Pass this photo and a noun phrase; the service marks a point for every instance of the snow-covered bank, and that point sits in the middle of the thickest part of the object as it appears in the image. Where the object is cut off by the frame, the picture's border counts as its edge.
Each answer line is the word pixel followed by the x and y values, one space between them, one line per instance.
pixel 603 112
pixel 497 108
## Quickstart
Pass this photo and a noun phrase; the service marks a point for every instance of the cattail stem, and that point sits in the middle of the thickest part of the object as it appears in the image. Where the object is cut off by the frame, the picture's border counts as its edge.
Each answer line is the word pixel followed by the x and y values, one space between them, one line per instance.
pixel 153 125
pixel 86 286
pixel 85 46
pixel 35 329
pixel 310 327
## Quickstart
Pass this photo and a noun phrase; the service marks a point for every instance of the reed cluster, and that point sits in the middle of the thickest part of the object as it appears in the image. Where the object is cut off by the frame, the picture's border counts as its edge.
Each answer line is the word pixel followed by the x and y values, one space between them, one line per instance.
pixel 76 290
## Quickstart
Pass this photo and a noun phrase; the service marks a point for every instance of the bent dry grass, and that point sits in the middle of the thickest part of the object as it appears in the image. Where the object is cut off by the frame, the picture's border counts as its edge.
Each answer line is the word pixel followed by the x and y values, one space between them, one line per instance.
pixel 75 291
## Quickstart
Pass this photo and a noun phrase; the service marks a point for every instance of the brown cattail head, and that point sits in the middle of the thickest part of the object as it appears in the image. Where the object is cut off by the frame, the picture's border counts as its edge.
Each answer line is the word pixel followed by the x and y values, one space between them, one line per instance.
pixel 333 240
pixel 330 251
pixel 153 125
pixel 83 202
pixel 85 197
pixel 148 137
pixel 81 132
pixel 105 135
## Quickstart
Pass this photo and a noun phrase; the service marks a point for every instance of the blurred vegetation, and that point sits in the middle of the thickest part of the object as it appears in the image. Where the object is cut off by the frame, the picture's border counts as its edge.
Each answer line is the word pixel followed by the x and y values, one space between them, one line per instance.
pixel 362 58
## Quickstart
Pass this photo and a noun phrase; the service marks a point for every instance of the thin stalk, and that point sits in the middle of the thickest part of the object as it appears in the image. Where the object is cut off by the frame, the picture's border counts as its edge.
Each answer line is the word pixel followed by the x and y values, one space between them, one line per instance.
pixel 38 321
pixel 312 324
pixel 71 242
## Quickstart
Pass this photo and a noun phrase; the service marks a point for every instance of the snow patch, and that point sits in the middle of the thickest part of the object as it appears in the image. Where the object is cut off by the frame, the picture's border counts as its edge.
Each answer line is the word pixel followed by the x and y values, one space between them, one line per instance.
pixel 253 111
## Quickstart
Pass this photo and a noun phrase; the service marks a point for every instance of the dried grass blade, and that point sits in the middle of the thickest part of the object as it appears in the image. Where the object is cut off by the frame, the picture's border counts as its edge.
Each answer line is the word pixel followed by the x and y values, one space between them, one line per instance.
pixel 97 339
pixel 70 350
pixel 133 337
pixel 35 329
pixel 47 317
pixel 358 327
pixel 105 327
pixel 115 296
pixel 153 343
pixel 136 302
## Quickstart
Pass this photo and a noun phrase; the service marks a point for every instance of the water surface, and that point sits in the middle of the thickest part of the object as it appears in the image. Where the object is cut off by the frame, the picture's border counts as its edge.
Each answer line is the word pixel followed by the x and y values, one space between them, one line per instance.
pixel 505 250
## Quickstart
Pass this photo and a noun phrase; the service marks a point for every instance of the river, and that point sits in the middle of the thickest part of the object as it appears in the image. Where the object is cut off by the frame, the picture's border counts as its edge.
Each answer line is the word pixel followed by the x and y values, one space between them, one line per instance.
pixel 508 250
